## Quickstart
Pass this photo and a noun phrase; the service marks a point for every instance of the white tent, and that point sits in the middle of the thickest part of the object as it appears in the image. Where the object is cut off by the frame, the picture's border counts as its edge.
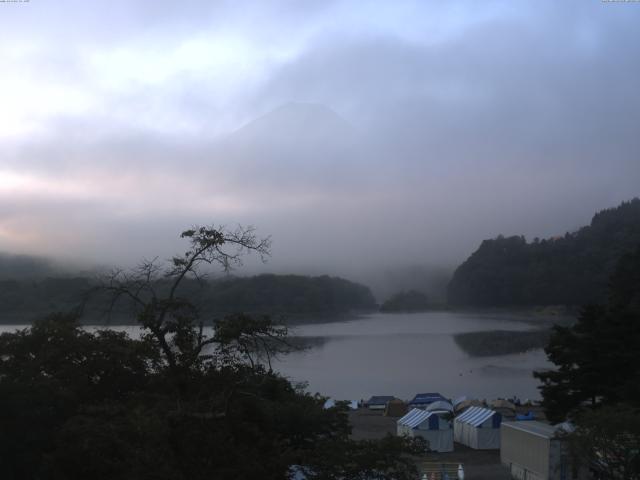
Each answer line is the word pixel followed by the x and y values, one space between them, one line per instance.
pixel 429 425
pixel 478 428
pixel 440 406
pixel 458 400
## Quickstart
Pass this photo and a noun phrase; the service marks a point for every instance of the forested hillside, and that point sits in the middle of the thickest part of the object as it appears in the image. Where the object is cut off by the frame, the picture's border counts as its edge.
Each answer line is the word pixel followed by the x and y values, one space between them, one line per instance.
pixel 287 294
pixel 570 270
pixel 23 300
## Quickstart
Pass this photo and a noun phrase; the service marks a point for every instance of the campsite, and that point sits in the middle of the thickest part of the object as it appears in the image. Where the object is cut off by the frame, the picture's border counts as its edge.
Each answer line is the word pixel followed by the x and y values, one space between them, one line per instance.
pixel 474 435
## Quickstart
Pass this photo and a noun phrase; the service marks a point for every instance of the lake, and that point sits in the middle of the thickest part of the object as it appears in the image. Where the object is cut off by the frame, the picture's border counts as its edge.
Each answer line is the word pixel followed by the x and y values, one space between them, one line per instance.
pixel 402 354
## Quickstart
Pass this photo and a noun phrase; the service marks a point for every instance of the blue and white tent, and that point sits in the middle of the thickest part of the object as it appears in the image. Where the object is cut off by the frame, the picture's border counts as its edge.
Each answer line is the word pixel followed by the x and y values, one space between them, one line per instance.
pixel 432 426
pixel 478 428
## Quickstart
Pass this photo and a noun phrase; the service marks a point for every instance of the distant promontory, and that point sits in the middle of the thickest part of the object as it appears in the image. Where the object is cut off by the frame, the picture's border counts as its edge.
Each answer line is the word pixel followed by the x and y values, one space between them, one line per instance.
pixel 406 301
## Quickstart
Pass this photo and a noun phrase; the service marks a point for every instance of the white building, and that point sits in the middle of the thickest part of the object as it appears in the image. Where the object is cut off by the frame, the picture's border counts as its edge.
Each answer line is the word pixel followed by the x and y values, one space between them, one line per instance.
pixel 534 451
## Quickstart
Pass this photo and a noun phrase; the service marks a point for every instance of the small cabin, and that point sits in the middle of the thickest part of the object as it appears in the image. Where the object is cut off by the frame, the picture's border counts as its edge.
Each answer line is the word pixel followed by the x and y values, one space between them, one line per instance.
pixel 534 450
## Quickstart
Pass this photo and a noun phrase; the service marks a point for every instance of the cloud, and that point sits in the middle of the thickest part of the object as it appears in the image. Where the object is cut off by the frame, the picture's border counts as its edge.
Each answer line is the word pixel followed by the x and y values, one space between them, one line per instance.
pixel 420 127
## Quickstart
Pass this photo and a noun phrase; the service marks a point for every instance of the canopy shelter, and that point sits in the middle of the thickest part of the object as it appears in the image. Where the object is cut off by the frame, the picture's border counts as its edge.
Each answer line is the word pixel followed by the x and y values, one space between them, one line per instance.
pixel 478 428
pixel 440 406
pixel 431 426
pixel 464 404
pixel 423 400
pixel 458 400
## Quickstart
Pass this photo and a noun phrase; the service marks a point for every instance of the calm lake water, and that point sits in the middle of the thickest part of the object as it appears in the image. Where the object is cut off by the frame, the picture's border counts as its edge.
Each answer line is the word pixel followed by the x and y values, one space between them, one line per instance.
pixel 402 354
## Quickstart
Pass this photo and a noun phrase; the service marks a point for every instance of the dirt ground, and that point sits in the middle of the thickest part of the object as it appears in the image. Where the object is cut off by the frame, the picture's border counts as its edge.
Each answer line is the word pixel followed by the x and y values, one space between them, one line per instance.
pixel 478 464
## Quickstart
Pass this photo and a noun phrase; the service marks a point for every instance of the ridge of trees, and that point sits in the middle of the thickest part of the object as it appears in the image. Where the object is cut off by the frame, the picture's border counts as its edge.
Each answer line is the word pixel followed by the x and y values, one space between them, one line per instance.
pixel 275 294
pixel 568 270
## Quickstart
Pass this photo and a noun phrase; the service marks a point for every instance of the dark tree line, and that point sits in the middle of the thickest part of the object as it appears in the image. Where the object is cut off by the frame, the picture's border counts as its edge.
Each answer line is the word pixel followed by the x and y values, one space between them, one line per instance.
pixel 570 270
pixel 181 401
pixel 273 294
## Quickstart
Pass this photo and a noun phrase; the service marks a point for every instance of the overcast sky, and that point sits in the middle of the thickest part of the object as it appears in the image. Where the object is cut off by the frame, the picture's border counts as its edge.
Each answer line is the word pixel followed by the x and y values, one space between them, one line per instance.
pixel 355 133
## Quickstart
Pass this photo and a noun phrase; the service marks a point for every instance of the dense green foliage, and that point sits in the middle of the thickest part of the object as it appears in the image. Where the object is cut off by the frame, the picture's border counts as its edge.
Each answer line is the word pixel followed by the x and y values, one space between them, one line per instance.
pixel 178 403
pixel 569 270
pixel 607 440
pixel 21 300
pixel 406 301
pixel 597 380
pixel 597 359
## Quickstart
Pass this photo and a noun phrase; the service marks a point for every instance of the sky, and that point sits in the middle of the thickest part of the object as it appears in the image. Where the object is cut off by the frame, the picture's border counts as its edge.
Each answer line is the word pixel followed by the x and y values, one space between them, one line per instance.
pixel 360 135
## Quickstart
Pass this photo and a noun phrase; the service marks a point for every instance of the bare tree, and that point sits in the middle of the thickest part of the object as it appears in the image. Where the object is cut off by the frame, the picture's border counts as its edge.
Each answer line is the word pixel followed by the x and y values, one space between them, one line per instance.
pixel 152 289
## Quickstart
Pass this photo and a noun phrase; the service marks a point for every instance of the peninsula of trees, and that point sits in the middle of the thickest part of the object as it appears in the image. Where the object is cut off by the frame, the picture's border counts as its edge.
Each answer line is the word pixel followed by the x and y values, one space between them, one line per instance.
pixel 570 270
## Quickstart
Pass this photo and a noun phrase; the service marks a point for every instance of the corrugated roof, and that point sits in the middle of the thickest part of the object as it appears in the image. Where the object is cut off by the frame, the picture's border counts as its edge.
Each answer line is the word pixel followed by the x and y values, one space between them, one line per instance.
pixel 475 416
pixel 535 428
pixel 414 418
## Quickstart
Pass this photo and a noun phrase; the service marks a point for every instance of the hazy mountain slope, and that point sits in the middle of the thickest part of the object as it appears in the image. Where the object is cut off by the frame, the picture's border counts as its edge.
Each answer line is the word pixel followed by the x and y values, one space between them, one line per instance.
pixel 572 269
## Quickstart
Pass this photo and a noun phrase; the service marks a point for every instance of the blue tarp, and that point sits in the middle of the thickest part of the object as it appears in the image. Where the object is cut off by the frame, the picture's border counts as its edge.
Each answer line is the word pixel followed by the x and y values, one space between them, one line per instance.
pixel 424 399
pixel 379 400
pixel 528 416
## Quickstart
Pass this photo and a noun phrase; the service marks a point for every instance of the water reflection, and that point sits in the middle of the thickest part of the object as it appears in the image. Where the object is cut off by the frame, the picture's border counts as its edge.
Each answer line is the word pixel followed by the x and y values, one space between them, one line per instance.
pixel 401 354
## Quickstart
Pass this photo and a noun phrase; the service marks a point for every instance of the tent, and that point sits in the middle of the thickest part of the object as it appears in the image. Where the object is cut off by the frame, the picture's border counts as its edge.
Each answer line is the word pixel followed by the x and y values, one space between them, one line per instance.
pixel 478 428
pixel 429 425
pixel 439 406
pixel 395 408
pixel 422 400
pixel 378 402
pixel 458 400
pixel 505 407
pixel 464 404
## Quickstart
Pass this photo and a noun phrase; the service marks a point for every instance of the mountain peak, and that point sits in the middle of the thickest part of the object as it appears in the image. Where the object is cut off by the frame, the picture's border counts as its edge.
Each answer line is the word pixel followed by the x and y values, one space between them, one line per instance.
pixel 307 122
